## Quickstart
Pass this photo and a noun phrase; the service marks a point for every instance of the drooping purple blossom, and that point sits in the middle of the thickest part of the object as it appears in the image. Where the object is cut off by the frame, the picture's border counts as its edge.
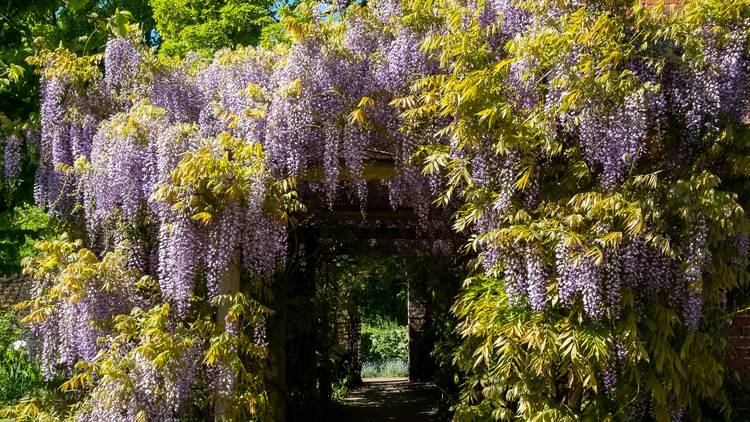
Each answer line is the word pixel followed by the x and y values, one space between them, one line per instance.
pixel 695 260
pixel 178 260
pixel 536 279
pixel 121 62
pixel 613 140
pixel 712 88
pixel 12 157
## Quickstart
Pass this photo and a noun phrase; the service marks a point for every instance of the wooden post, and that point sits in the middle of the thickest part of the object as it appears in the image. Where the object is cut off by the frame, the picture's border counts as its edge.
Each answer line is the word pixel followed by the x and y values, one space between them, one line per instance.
pixel 301 360
pixel 277 351
pixel 377 169
pixel 355 343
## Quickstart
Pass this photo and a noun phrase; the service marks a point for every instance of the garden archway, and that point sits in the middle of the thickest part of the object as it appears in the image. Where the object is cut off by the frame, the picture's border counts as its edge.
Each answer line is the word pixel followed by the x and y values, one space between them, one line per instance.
pixel 298 351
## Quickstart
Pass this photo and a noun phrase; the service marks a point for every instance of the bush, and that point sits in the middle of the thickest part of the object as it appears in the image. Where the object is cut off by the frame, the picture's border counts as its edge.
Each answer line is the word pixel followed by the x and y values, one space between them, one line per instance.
pixel 9 331
pixel 20 228
pixel 19 373
pixel 385 349
pixel 384 341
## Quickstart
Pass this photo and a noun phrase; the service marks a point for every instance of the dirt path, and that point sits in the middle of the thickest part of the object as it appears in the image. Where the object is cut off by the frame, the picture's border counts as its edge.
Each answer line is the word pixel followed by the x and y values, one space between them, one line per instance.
pixel 390 399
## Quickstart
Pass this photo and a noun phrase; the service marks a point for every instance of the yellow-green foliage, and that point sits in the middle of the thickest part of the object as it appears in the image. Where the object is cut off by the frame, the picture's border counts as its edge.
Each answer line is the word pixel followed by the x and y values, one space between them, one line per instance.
pixel 226 170
pixel 146 339
pixel 547 366
pixel 64 269
pixel 64 63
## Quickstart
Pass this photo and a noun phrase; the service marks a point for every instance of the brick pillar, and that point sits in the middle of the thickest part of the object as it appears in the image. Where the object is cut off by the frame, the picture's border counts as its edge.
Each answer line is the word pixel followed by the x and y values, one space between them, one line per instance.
pixel 738 363
pixel 421 336
pixel 354 344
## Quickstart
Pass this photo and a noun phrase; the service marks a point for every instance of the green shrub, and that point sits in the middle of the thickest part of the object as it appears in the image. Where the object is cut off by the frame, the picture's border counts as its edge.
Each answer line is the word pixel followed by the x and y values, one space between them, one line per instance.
pixel 384 341
pixel 20 228
pixel 20 374
pixel 10 331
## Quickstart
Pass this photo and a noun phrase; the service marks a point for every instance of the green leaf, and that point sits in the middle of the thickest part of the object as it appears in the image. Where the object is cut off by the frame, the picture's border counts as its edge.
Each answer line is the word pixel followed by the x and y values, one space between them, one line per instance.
pixel 121 22
pixel 77 4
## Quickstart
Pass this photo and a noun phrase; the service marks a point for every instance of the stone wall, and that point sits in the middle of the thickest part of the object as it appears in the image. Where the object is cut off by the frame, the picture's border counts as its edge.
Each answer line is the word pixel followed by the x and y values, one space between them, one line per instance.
pixel 13 289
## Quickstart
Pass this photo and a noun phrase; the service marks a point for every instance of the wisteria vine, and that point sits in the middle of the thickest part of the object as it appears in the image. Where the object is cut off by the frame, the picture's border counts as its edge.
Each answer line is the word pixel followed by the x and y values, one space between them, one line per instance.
pixel 583 168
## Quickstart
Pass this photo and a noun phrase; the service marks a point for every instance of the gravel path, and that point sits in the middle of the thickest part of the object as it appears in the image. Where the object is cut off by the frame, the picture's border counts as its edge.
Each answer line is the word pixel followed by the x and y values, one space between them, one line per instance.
pixel 390 399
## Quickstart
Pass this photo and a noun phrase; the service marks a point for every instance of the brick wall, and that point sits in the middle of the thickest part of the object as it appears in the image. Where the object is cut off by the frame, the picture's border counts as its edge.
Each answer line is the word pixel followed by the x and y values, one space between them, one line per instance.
pixel 738 362
pixel 13 289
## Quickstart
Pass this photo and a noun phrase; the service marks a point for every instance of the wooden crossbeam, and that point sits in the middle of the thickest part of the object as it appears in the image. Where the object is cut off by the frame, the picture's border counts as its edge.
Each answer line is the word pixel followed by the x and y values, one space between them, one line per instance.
pixel 370 215
pixel 379 169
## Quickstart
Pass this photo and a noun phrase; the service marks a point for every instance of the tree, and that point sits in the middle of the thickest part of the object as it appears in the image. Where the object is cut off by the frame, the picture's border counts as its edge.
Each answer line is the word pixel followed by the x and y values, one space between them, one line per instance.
pixel 27 27
pixel 208 25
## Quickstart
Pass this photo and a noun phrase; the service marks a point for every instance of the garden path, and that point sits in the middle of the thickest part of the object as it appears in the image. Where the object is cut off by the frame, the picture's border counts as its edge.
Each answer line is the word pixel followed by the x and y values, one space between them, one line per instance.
pixel 390 399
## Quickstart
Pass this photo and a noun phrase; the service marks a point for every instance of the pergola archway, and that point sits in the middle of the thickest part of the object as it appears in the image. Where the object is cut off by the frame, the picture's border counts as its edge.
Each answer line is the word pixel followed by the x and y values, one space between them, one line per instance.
pixel 302 389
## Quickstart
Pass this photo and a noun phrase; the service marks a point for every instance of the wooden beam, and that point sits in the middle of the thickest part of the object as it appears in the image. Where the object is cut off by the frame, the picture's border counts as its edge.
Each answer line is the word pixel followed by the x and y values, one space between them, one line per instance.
pixel 348 215
pixel 371 170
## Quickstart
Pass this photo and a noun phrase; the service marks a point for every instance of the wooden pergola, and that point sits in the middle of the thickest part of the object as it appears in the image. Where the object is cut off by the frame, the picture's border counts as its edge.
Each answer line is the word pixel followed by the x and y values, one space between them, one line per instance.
pixel 341 228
